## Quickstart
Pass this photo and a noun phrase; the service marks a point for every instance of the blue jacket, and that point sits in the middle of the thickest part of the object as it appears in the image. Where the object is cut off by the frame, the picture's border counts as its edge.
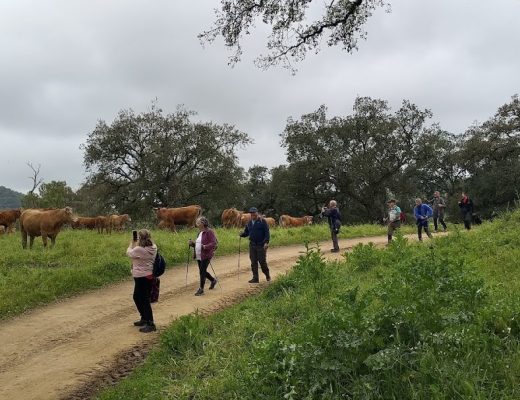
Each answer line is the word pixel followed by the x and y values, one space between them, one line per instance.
pixel 422 212
pixel 258 232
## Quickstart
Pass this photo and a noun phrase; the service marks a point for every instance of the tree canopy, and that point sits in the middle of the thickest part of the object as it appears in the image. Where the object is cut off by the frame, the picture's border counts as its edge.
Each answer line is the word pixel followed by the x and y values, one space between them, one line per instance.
pixel 293 33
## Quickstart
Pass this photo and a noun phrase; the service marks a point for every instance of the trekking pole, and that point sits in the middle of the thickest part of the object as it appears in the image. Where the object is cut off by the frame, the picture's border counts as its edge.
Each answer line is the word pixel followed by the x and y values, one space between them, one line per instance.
pixel 215 275
pixel 187 263
pixel 239 240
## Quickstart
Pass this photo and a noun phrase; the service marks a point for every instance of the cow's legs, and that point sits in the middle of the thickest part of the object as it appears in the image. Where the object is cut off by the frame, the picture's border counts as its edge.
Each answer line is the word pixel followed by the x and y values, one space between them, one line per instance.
pixel 44 239
pixel 24 239
pixel 31 242
pixel 53 240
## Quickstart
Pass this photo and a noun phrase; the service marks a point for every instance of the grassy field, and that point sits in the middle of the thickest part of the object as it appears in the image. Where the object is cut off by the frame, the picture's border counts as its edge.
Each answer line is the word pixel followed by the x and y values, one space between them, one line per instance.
pixel 413 321
pixel 84 260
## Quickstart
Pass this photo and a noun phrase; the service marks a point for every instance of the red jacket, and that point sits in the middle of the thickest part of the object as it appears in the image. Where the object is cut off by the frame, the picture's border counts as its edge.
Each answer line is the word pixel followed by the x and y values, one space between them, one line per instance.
pixel 209 244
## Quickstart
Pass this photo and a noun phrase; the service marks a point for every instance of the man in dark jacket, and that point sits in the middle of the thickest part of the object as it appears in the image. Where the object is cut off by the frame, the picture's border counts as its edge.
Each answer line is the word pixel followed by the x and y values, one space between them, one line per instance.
pixel 466 209
pixel 334 216
pixel 258 232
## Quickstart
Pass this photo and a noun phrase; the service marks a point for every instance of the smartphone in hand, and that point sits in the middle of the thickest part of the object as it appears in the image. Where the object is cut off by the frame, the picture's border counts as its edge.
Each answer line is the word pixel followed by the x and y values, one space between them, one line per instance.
pixel 134 236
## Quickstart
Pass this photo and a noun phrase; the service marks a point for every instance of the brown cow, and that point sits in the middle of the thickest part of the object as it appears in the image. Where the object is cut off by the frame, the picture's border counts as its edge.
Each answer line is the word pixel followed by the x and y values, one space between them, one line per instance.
pixel 117 222
pixel 287 221
pixel 270 221
pixel 231 218
pixel 46 224
pixel 178 216
pixel 8 218
pixel 84 222
pixel 244 219
pixel 102 223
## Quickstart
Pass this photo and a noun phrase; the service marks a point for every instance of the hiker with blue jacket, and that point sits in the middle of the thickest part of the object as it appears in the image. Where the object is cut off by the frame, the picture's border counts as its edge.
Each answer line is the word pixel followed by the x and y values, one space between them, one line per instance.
pixel 258 232
pixel 422 212
pixel 334 217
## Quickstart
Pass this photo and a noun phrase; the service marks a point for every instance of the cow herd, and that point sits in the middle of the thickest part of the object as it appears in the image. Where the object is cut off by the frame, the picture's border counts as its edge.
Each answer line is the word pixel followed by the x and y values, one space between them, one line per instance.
pixel 47 222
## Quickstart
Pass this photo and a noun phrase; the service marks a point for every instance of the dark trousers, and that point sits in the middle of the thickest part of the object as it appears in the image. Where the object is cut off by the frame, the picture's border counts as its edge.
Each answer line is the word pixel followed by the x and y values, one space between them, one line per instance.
pixel 257 254
pixel 420 227
pixel 438 217
pixel 467 219
pixel 142 291
pixel 203 272
pixel 334 236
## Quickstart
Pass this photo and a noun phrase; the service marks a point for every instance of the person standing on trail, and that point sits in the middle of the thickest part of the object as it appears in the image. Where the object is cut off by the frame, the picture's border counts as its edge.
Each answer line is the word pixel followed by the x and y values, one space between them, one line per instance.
pixel 204 249
pixel 466 209
pixel 143 252
pixel 422 212
pixel 334 217
pixel 394 218
pixel 258 232
pixel 439 207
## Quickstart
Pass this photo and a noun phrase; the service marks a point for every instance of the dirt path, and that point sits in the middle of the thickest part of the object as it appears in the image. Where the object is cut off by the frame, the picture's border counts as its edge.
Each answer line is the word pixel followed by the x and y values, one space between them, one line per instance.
pixel 51 352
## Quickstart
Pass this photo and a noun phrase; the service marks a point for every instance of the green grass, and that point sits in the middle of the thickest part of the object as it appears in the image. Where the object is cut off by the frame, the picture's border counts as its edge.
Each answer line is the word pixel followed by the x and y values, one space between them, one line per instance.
pixel 85 260
pixel 413 321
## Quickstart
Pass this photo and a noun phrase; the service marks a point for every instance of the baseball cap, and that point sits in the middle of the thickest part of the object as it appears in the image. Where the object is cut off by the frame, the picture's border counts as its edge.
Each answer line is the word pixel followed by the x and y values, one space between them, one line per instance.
pixel 253 210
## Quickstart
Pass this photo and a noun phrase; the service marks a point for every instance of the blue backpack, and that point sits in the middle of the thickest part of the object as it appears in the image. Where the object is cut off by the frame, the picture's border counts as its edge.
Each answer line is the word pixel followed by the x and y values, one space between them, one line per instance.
pixel 159 265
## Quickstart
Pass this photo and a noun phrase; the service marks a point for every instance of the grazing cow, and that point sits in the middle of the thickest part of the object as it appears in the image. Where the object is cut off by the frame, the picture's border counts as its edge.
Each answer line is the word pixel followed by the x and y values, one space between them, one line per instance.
pixel 231 218
pixel 84 222
pixel 46 224
pixel 287 221
pixel 102 223
pixel 117 222
pixel 8 219
pixel 270 221
pixel 178 216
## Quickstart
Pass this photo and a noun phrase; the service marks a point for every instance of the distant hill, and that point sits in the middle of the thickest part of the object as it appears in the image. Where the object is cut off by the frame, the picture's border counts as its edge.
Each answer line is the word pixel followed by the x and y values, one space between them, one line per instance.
pixel 9 198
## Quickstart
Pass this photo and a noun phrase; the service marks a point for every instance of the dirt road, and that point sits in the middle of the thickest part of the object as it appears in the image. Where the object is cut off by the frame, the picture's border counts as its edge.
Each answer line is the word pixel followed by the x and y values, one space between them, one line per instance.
pixel 63 350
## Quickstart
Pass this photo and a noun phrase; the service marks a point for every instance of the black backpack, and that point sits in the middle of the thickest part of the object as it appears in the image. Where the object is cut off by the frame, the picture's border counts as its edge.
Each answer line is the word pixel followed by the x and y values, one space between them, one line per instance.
pixel 159 265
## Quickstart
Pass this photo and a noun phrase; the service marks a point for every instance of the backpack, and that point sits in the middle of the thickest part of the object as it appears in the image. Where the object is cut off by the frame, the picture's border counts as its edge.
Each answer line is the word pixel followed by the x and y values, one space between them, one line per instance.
pixel 159 265
pixel 402 217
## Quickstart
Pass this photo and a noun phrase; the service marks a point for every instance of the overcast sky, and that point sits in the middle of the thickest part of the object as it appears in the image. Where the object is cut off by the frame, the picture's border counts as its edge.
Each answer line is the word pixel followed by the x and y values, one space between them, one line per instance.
pixel 65 64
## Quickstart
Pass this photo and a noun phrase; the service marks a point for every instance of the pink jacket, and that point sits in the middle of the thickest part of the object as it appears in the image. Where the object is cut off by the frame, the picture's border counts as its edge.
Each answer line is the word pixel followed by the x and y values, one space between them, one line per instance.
pixel 142 260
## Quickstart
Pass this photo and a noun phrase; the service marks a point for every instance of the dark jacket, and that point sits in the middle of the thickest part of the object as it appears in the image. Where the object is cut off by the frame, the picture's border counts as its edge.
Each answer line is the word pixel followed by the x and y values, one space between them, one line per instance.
pixel 334 217
pixel 466 205
pixel 258 232
pixel 421 213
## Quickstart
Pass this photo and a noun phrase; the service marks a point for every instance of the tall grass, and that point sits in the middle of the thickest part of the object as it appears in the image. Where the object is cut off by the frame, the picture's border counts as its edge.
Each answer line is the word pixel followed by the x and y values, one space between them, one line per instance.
pixel 84 260
pixel 417 321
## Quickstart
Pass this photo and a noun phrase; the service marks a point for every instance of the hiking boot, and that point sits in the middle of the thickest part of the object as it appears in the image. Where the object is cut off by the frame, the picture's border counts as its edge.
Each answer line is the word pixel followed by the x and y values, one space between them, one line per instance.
pixel 254 280
pixel 213 284
pixel 141 322
pixel 199 292
pixel 334 250
pixel 148 328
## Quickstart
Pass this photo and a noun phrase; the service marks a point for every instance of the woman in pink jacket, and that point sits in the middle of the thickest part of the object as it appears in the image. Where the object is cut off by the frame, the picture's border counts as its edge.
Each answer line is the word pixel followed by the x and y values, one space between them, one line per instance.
pixel 204 246
pixel 142 252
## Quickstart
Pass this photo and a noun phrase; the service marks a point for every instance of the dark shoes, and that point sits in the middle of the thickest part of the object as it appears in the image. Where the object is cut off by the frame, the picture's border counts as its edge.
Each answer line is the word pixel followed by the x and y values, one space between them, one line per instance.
pixel 254 280
pixel 334 250
pixel 148 328
pixel 213 284
pixel 268 278
pixel 199 292
pixel 141 322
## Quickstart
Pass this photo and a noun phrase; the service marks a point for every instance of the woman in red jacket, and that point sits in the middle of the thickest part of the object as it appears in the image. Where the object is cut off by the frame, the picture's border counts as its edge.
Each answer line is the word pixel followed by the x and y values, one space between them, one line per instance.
pixel 204 247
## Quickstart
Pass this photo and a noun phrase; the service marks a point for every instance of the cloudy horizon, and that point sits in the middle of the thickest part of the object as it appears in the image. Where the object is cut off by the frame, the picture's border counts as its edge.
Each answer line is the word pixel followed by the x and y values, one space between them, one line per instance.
pixel 68 64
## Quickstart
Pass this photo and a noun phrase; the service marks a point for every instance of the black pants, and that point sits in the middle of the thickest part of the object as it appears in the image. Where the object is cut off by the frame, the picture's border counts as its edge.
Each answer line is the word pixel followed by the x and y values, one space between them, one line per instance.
pixel 257 255
pixel 467 219
pixel 142 291
pixel 438 217
pixel 334 237
pixel 422 226
pixel 203 272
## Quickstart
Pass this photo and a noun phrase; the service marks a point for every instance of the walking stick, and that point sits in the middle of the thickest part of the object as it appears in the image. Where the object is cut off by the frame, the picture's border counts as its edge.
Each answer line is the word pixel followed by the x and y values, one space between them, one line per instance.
pixel 187 263
pixel 215 275
pixel 238 274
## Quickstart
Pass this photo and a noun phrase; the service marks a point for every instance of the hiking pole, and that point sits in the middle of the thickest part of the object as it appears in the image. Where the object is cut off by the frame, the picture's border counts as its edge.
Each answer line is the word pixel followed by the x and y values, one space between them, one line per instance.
pixel 187 263
pixel 215 275
pixel 239 240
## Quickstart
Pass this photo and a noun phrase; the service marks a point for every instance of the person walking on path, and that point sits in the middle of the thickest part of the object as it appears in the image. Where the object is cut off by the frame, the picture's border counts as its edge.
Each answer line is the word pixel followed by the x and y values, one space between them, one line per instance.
pixel 394 218
pixel 204 249
pixel 422 212
pixel 334 216
pixel 466 209
pixel 143 252
pixel 439 207
pixel 258 232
